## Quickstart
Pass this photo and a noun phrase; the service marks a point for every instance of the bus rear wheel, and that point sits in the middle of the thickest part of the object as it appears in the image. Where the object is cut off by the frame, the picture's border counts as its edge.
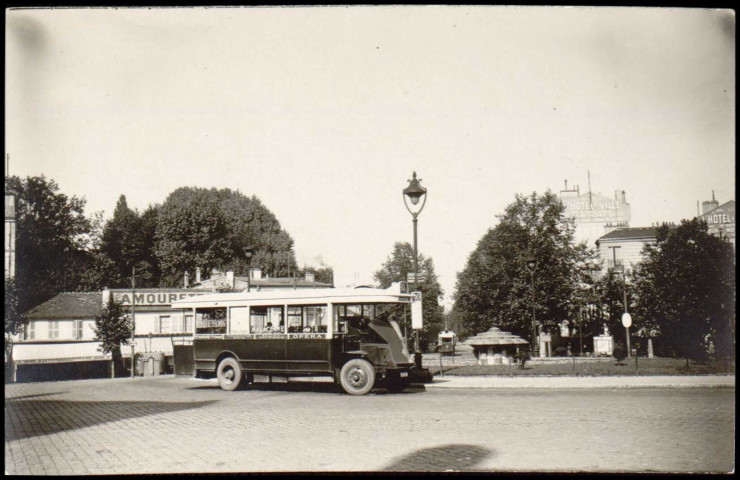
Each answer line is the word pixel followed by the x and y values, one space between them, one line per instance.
pixel 357 377
pixel 229 373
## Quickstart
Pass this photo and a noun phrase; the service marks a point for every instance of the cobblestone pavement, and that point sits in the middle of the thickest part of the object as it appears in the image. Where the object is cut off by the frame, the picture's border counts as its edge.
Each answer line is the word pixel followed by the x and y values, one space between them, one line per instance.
pixel 179 424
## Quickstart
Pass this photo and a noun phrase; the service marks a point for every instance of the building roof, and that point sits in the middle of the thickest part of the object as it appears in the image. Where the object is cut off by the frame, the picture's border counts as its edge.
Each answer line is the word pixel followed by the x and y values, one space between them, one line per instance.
pixel 68 305
pixel 495 336
pixel 631 233
pixel 240 283
pixel 726 204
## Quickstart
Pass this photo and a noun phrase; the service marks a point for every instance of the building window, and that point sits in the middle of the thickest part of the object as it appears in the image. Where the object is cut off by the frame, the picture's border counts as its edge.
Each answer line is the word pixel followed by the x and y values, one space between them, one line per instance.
pixel 78 329
pixel 31 331
pixel 615 262
pixel 54 329
pixel 187 324
pixel 163 324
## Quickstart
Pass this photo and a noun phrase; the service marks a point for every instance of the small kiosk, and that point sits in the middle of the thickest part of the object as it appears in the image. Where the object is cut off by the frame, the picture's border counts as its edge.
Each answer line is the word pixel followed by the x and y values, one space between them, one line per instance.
pixel 495 347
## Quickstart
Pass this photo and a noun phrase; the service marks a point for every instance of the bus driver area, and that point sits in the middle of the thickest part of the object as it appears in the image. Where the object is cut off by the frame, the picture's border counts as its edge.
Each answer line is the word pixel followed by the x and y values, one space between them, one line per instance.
pixel 349 335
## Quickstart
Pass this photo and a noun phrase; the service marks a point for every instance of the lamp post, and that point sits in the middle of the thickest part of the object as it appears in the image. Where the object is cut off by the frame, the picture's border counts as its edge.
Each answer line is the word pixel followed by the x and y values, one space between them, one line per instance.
pixel 144 266
pixel 249 252
pixel 415 192
pixel 626 318
pixel 531 263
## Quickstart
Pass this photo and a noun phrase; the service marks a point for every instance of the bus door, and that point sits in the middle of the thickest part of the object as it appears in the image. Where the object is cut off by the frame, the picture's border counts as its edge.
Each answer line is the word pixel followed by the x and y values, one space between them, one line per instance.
pixel 308 349
pixel 266 348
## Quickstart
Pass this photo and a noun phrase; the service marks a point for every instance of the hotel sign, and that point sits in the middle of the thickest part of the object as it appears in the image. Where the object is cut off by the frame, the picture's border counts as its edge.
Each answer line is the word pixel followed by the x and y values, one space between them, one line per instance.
pixel 596 209
pixel 721 219
pixel 153 298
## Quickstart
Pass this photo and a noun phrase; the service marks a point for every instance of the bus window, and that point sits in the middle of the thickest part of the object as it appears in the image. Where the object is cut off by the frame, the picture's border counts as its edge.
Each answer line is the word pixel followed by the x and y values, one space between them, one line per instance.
pixel 316 318
pixel 307 319
pixel 266 320
pixel 295 320
pixel 238 320
pixel 210 320
pixel 357 316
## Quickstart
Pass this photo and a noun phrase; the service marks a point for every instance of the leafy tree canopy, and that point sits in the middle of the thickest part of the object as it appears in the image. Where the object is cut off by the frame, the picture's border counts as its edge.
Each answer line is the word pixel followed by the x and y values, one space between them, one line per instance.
pixel 212 228
pixel 495 288
pixel 686 289
pixel 112 326
pixel 128 238
pixel 52 234
pixel 395 269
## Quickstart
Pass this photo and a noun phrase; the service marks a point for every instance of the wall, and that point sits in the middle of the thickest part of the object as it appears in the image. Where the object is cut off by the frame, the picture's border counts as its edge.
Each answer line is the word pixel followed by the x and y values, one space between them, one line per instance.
pixel 631 252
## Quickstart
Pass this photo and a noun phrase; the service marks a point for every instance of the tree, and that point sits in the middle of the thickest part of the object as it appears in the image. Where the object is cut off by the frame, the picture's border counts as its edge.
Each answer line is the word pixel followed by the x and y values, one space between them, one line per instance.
pixel 207 228
pixel 395 269
pixel 127 238
pixel 686 290
pixel 14 322
pixel 51 231
pixel 608 291
pixel 619 352
pixel 321 275
pixel 495 288
pixel 113 329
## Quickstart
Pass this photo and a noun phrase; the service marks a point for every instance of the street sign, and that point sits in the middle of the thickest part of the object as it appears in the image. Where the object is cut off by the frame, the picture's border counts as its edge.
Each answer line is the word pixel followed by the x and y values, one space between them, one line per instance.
pixel 411 277
pixel 626 320
pixel 416 312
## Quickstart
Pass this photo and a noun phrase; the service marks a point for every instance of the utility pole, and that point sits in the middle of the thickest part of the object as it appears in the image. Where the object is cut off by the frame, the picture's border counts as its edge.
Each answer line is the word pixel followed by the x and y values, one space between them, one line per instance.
pixel 133 318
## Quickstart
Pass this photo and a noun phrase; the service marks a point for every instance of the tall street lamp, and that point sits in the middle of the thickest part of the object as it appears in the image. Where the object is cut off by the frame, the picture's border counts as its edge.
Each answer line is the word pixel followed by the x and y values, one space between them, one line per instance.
pixel 618 267
pixel 415 192
pixel 531 263
pixel 146 275
pixel 626 317
pixel 249 252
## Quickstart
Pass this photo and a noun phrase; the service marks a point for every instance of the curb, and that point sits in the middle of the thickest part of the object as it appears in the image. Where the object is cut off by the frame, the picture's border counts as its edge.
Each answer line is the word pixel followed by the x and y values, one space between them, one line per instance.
pixel 482 382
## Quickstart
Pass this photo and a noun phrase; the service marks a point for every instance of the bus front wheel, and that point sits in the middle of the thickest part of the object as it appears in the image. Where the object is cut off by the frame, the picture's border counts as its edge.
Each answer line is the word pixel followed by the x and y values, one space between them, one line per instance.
pixel 229 374
pixel 357 377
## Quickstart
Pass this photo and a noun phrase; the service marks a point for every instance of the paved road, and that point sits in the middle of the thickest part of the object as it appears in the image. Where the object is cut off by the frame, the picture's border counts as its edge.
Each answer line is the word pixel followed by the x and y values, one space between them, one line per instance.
pixel 179 424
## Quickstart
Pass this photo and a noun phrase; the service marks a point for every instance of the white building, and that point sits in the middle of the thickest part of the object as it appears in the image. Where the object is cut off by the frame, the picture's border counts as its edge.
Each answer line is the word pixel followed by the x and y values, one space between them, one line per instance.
pixel 594 213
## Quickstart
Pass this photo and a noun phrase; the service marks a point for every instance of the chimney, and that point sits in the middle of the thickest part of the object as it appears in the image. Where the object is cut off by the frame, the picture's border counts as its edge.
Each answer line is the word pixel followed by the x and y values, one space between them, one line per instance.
pixel 186 280
pixel 106 295
pixel 310 277
pixel 707 206
pixel 610 227
pixel 230 278
pixel 197 274
pixel 256 273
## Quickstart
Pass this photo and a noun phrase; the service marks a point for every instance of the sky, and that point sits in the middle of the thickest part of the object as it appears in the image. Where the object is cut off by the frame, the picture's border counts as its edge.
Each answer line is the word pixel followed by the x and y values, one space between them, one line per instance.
pixel 324 113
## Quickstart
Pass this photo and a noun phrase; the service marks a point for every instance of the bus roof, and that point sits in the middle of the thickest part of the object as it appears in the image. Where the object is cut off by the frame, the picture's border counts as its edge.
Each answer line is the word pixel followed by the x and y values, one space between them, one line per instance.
pixel 393 294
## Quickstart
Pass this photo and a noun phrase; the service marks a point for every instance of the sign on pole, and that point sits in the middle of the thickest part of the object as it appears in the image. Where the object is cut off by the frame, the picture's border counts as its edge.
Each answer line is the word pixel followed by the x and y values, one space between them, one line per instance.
pixel 626 320
pixel 417 321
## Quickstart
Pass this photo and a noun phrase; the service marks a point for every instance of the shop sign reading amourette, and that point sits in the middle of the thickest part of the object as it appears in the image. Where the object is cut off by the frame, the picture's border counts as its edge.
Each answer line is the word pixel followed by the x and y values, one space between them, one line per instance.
pixel 156 298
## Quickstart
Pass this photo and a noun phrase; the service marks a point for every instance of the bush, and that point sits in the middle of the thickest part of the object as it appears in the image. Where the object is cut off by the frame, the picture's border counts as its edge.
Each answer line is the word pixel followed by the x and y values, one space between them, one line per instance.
pixel 522 357
pixel 561 352
pixel 620 352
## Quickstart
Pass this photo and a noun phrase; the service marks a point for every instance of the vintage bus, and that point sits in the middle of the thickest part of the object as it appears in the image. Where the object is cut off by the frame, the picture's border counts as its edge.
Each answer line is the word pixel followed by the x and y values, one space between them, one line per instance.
pixel 348 334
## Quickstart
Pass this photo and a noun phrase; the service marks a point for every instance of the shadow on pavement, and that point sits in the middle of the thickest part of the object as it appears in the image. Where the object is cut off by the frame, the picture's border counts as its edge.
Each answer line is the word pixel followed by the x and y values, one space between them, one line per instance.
pixel 317 387
pixel 23 397
pixel 26 418
pixel 454 457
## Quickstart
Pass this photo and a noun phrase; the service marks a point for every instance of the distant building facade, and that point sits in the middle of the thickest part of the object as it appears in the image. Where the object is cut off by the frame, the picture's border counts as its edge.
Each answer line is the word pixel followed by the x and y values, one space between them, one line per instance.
pixel 720 219
pixel 594 213
pixel 622 247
